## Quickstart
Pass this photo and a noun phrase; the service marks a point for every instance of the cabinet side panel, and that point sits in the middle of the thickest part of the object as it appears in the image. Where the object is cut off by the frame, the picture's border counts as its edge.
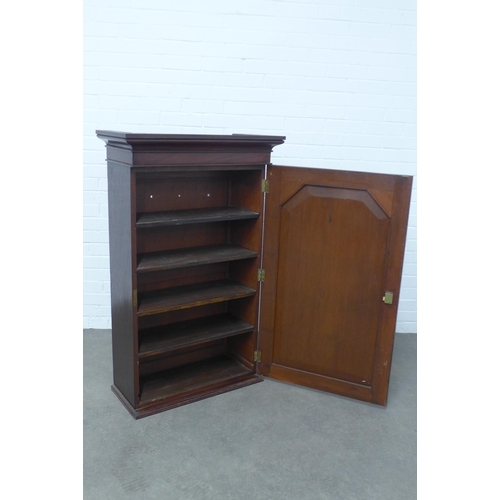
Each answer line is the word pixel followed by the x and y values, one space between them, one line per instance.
pixel 245 191
pixel 121 262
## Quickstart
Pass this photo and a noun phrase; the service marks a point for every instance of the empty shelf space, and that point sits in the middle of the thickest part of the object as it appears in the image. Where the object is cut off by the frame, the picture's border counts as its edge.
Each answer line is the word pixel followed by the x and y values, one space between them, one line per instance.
pixel 187 257
pixel 189 378
pixel 194 216
pixel 164 338
pixel 183 297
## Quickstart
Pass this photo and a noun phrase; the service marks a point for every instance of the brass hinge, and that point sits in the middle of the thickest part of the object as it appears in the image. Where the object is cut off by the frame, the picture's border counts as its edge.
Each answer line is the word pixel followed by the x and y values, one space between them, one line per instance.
pixel 388 297
pixel 265 186
pixel 257 356
pixel 261 275
pixel 134 297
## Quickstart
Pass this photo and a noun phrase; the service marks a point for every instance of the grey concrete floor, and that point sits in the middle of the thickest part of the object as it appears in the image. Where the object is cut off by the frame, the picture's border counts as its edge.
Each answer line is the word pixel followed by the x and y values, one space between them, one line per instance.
pixel 267 441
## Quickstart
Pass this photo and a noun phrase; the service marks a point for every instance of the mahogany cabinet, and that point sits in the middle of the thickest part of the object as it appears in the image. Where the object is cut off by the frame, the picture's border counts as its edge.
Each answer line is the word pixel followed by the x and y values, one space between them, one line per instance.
pixel 226 268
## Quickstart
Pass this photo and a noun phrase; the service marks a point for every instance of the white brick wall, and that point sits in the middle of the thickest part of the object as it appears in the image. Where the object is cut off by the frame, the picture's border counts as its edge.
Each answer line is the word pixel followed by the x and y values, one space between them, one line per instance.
pixel 337 77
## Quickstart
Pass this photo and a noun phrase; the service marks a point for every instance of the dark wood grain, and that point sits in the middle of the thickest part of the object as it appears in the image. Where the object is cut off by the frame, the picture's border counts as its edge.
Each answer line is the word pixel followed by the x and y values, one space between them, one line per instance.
pixel 195 216
pixel 162 280
pixel 187 257
pixel 162 339
pixel 330 279
pixel 171 194
pixel 161 238
pixel 192 377
pixel 189 152
pixel 334 243
pixel 393 274
pixel 180 315
pixel 167 191
pixel 121 243
pixel 180 357
pixel 321 382
pixel 207 139
pixel 192 295
pixel 186 235
pixel 245 190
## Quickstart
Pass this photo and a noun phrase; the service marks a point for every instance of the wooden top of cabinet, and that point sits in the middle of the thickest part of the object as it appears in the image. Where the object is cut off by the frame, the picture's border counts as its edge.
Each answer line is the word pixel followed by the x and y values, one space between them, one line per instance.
pixel 195 150
pixel 138 138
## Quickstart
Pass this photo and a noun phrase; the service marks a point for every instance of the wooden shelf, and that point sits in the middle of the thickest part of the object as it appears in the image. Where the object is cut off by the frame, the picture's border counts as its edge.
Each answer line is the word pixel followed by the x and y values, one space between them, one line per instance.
pixel 161 339
pixel 190 378
pixel 188 257
pixel 194 216
pixel 183 297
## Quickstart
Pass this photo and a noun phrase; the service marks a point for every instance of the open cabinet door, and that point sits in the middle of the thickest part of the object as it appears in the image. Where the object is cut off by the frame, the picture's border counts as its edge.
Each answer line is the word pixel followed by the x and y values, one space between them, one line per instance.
pixel 333 256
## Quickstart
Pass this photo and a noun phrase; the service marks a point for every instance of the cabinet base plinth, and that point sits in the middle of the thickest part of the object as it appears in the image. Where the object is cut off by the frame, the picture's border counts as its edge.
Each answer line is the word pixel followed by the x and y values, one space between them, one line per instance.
pixel 170 403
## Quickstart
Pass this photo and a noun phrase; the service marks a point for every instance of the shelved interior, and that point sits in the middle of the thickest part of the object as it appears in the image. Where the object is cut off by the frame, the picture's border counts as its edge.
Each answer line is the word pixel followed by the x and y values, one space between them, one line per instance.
pixel 197 257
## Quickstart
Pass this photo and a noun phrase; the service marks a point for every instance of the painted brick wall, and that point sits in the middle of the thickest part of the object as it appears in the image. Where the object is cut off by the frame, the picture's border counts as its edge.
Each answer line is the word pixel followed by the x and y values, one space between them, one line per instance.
pixel 337 77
